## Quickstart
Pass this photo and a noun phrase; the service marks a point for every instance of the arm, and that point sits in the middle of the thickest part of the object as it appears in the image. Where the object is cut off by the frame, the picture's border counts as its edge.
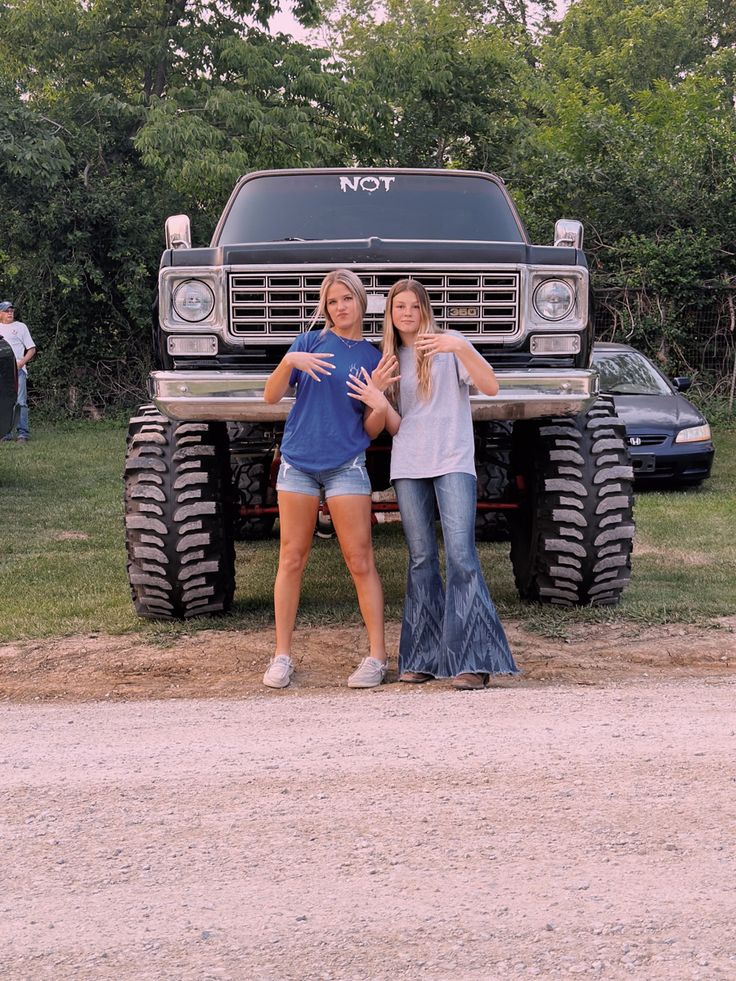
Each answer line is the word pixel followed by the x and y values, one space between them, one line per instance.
pixel 382 416
pixel 314 365
pixel 481 373
pixel 374 421
pixel 278 382
pixel 393 420
pixel 28 356
pixel 379 413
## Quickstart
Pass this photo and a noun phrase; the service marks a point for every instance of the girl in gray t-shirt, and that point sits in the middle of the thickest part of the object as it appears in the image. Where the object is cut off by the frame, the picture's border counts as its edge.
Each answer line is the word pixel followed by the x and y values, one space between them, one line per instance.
pixel 453 631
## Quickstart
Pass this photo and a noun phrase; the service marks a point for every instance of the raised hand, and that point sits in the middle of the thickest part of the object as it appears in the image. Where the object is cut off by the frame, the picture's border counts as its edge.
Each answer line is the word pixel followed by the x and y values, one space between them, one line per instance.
pixel 439 343
pixel 313 365
pixel 386 372
pixel 363 388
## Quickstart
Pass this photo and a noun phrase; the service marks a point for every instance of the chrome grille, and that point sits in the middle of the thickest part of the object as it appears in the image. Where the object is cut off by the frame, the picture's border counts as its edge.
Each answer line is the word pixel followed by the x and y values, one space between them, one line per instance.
pixel 647 439
pixel 278 305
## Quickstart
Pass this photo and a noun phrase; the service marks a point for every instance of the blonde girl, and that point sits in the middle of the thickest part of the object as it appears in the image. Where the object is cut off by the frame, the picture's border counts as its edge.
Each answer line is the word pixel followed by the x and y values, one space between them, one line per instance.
pixel 452 630
pixel 323 449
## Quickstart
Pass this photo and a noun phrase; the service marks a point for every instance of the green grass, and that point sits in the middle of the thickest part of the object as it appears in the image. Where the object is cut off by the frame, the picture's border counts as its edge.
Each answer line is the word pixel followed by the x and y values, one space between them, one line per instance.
pixel 62 562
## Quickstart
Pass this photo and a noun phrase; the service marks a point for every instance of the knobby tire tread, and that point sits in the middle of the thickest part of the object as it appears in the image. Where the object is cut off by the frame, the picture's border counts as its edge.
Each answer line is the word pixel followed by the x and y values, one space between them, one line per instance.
pixel 178 517
pixel 572 538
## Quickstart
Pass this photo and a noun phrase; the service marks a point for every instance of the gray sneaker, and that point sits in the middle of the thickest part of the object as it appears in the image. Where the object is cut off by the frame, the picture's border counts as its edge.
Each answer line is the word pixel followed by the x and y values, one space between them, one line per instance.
pixel 369 674
pixel 279 671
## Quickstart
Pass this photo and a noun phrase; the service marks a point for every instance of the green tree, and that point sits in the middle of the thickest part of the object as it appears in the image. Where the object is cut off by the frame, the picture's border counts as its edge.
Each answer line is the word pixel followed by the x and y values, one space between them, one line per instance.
pixel 634 153
pixel 638 140
pixel 439 83
pixel 619 47
pixel 255 102
pixel 112 115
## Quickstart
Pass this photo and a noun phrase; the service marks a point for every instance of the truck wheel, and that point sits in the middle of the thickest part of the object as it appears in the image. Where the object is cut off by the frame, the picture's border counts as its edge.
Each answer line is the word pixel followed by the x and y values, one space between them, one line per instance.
pixel 178 528
pixel 251 456
pixel 571 538
pixel 251 486
pixel 492 462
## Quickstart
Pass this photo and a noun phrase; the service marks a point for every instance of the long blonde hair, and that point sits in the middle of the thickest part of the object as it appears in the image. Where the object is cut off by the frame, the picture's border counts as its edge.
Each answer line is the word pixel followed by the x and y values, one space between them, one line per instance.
pixel 392 338
pixel 347 278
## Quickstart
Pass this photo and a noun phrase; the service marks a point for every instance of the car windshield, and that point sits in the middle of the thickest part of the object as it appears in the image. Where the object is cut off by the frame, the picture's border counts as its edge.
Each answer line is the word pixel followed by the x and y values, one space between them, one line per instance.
pixel 628 373
pixel 308 206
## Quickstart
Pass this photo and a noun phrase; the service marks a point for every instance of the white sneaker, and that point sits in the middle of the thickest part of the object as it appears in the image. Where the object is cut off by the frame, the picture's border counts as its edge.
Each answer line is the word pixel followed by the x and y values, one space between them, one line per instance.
pixel 369 674
pixel 279 671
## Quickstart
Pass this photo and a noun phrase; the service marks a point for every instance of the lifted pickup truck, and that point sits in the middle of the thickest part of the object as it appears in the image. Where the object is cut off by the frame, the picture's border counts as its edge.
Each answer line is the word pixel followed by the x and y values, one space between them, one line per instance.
pixel 551 453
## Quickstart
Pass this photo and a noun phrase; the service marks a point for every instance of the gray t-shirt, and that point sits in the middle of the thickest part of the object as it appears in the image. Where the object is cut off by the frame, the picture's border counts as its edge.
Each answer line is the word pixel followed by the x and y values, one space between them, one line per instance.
pixel 18 337
pixel 436 435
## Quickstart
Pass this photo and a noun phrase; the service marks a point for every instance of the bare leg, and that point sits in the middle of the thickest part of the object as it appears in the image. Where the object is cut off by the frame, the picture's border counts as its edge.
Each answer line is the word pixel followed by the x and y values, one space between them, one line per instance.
pixel 351 516
pixel 297 517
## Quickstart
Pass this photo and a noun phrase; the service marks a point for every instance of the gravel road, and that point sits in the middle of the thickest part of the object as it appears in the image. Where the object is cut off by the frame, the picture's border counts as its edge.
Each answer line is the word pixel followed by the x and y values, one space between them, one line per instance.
pixel 358 836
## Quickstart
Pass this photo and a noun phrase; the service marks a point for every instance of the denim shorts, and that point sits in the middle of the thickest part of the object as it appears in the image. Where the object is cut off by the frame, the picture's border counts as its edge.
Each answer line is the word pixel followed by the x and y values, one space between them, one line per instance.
pixel 349 478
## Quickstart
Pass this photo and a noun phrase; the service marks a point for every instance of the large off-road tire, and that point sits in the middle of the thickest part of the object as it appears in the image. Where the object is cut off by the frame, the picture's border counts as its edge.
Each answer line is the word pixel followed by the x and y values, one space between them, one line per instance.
pixel 572 536
pixel 251 456
pixel 251 483
pixel 178 510
pixel 492 463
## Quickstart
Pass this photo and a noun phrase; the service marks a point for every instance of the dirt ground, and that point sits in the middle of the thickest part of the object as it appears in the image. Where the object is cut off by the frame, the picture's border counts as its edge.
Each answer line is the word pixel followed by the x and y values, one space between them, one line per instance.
pixel 543 831
pixel 166 818
pixel 220 663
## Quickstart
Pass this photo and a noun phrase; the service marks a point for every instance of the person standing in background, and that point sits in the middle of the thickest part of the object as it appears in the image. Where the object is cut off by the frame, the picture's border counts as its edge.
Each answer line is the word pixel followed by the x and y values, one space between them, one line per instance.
pixel 19 338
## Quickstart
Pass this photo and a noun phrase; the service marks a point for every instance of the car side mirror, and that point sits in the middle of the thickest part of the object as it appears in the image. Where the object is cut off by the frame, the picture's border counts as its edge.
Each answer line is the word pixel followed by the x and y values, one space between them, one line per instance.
pixel 682 384
pixel 178 232
pixel 569 233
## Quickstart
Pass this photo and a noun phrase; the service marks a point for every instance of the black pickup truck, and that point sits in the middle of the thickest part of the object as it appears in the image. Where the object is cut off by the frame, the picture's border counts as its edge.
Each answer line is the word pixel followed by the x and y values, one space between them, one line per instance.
pixel 551 455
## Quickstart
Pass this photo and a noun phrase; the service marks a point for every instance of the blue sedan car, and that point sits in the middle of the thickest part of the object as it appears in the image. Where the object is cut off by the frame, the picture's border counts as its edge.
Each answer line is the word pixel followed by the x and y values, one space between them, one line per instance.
pixel 669 439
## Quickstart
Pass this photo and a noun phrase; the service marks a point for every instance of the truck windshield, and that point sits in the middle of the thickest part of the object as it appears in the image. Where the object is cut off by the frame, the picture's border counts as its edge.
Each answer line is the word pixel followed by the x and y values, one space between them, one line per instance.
pixel 360 205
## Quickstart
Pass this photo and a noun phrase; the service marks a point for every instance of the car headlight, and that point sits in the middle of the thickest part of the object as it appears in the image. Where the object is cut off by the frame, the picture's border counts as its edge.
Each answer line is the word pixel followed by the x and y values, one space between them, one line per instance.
pixel 553 299
pixel 694 434
pixel 193 301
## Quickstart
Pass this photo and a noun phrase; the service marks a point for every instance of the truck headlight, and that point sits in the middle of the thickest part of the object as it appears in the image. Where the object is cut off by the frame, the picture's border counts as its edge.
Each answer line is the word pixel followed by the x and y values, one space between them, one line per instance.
pixel 694 434
pixel 193 301
pixel 553 299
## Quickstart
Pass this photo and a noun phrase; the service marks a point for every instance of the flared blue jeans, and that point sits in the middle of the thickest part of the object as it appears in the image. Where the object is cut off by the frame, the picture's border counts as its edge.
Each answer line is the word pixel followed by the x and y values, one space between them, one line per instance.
pixel 449 630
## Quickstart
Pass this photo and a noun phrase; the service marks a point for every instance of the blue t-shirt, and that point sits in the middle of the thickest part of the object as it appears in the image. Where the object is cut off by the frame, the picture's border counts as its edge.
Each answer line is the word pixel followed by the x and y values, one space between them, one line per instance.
pixel 325 427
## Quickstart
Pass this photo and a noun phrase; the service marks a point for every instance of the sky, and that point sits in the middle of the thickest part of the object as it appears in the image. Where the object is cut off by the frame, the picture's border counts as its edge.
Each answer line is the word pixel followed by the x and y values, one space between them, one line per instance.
pixel 284 22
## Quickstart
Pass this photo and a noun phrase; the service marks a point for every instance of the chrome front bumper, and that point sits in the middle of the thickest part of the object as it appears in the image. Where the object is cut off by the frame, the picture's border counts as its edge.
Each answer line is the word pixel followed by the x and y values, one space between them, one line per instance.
pixel 236 397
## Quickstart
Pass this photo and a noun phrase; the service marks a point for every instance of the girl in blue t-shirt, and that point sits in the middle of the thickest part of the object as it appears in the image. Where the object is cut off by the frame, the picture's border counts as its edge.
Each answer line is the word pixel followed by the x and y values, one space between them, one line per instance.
pixel 323 448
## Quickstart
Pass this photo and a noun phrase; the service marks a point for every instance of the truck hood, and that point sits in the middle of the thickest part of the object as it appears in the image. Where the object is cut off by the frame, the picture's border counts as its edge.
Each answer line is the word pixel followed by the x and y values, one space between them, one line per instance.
pixel 375 250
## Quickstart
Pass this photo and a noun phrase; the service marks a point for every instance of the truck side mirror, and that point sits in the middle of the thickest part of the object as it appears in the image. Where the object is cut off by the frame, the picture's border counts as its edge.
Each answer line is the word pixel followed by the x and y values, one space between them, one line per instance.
pixel 569 233
pixel 178 232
